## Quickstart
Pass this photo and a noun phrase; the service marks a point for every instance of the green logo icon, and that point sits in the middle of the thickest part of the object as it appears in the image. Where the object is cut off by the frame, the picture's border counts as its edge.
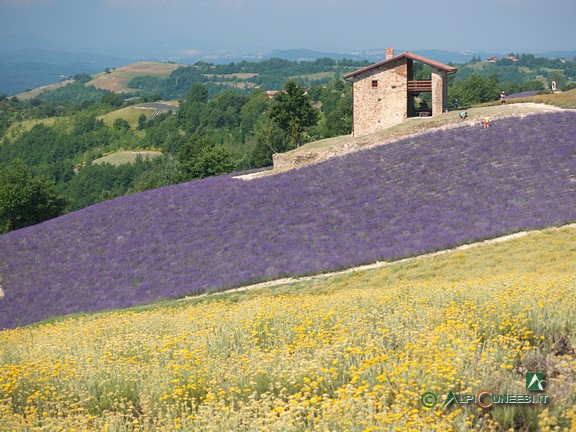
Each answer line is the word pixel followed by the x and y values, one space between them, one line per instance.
pixel 429 399
pixel 449 399
pixel 535 381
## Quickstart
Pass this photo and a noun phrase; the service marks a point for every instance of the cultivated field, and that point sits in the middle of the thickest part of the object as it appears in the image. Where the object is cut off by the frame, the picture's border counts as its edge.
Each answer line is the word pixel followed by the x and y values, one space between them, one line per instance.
pixel 316 76
pixel 355 352
pixel 321 150
pixel 130 114
pixel 371 350
pixel 118 79
pixel 123 157
pixel 242 76
pixel 421 194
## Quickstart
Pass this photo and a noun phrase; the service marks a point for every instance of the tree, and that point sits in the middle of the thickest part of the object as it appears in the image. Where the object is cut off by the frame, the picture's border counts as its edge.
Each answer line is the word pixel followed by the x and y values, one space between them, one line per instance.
pixel 200 158
pixel 269 139
pixel 115 100
pixel 121 124
pixel 142 121
pixel 475 89
pixel 188 154
pixel 164 171
pixel 26 200
pixel 339 120
pixel 213 161
pixel 197 94
pixel 336 102
pixel 293 112
pixel 191 109
pixel 559 78
pixel 253 110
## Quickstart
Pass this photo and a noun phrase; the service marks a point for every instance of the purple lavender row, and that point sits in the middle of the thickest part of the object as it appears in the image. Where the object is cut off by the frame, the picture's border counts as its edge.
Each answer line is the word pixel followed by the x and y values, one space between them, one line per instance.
pixel 523 94
pixel 418 195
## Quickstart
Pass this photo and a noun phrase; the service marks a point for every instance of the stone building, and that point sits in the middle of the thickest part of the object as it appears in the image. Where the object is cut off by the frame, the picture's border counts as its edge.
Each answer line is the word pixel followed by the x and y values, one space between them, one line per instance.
pixel 384 93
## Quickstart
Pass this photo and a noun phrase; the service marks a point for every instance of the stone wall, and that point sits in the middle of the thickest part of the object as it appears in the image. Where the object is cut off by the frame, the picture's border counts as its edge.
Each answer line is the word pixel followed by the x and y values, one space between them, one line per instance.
pixel 384 104
pixel 438 90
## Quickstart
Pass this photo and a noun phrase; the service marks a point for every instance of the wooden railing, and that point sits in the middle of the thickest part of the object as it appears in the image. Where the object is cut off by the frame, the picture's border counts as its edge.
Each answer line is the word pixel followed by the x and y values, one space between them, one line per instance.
pixel 420 86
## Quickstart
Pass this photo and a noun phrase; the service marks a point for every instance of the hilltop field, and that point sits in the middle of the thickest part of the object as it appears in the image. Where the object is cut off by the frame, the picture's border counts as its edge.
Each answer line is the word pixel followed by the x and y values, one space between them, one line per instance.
pixel 118 79
pixel 354 351
pixel 328 148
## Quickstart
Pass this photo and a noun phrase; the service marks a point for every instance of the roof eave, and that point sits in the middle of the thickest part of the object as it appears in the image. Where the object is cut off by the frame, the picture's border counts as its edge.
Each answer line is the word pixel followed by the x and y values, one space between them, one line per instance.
pixel 409 55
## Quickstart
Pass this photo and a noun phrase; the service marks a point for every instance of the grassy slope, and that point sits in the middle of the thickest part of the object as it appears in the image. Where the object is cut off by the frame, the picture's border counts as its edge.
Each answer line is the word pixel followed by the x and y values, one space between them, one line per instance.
pixel 353 351
pixel 561 100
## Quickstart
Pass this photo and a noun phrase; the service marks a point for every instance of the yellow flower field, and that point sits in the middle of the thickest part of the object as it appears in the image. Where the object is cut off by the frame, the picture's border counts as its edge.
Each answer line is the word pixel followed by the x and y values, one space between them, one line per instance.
pixel 354 352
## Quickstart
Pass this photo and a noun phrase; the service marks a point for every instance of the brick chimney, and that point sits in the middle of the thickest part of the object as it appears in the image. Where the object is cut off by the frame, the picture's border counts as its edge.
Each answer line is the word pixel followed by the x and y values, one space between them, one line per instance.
pixel 389 53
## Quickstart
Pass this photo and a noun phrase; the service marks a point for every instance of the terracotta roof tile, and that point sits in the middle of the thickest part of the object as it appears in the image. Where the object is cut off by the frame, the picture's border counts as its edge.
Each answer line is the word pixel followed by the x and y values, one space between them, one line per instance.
pixel 408 55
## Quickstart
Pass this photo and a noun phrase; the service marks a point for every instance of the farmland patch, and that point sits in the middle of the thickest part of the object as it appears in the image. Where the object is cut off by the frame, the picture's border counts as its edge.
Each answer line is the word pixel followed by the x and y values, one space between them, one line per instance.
pixel 123 157
pixel 118 79
pixel 417 195
pixel 322 150
pixel 18 128
pixel 360 349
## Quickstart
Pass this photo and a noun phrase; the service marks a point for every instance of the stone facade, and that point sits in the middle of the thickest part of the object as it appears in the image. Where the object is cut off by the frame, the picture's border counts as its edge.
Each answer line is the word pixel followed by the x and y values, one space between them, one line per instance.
pixel 380 98
pixel 381 94
pixel 439 91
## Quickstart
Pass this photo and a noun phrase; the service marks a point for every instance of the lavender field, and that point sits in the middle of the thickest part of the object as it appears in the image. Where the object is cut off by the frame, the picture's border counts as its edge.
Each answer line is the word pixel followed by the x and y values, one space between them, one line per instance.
pixel 417 195
pixel 523 94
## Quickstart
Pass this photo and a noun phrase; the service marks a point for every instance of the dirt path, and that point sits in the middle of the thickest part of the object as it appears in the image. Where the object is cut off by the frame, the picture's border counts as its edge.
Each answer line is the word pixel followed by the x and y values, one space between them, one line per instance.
pixel 376 265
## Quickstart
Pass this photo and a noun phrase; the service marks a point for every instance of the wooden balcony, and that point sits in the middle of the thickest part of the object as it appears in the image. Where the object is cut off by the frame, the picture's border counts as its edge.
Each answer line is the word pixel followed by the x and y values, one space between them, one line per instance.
pixel 420 86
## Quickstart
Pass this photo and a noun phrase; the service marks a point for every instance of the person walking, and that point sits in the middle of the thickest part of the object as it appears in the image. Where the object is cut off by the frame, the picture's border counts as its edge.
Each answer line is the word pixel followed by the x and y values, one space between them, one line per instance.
pixel 502 98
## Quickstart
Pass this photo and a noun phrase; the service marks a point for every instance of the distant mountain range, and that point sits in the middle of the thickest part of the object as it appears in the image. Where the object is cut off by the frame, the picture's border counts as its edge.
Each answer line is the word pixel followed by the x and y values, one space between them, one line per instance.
pixel 25 69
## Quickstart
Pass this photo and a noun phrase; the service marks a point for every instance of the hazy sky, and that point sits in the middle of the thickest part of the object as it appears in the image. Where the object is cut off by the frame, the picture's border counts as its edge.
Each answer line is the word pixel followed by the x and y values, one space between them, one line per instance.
pixel 177 26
